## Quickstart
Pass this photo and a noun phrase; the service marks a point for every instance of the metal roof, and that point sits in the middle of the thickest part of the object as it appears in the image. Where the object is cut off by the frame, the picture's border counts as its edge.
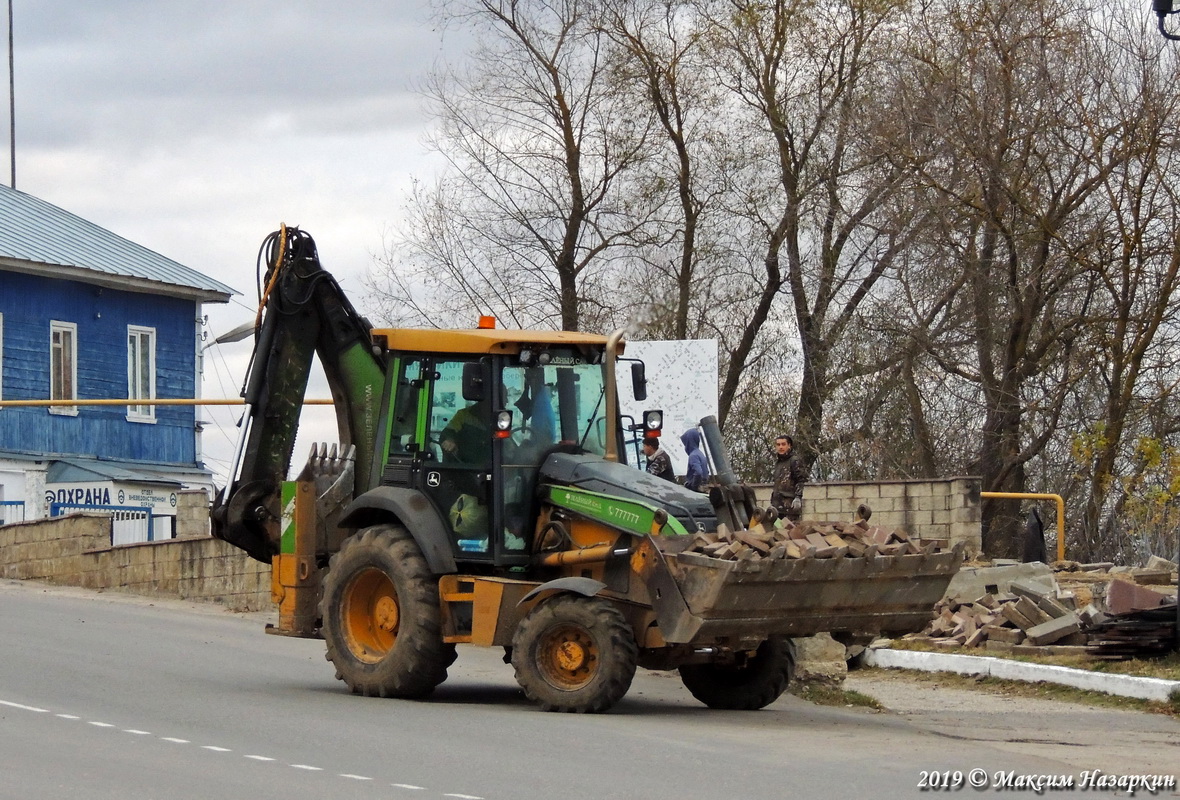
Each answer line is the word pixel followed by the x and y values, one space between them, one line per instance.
pixel 39 238
pixel 81 470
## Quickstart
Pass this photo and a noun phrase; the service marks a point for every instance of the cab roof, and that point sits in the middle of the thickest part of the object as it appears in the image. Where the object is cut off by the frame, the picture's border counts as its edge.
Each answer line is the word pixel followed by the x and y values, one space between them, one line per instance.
pixel 481 340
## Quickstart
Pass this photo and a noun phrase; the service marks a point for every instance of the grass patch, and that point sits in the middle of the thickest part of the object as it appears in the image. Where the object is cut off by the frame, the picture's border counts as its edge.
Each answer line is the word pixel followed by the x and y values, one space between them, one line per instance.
pixel 1041 690
pixel 831 696
pixel 1165 667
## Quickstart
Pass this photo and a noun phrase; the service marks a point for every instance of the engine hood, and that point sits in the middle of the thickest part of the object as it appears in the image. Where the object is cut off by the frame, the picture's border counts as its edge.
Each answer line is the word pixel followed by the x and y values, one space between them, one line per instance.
pixel 592 473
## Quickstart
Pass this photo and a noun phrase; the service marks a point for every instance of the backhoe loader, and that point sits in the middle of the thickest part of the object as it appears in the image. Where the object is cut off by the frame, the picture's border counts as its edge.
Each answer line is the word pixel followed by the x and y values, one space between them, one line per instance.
pixel 479 495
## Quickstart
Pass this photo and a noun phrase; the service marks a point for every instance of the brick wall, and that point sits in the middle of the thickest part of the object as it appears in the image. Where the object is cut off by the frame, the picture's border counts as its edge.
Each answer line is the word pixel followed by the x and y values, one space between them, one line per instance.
pixel 933 509
pixel 75 550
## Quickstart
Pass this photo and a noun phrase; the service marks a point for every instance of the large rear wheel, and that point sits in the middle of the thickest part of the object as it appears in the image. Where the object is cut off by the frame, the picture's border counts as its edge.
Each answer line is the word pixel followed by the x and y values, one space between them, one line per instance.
pixel 753 683
pixel 381 617
pixel 574 653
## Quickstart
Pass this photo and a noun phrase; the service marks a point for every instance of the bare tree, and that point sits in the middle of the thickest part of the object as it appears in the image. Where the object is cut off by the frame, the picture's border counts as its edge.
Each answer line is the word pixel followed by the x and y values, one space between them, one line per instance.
pixel 813 182
pixel 1136 267
pixel 662 66
pixel 529 217
pixel 1013 107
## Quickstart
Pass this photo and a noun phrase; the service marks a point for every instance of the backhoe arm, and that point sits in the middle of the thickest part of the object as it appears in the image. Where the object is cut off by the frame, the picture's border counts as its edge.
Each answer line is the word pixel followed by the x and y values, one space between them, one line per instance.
pixel 303 314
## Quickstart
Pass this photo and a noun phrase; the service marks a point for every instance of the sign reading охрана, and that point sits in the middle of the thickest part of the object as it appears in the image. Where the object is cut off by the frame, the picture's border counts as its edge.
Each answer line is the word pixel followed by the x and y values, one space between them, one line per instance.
pixel 160 500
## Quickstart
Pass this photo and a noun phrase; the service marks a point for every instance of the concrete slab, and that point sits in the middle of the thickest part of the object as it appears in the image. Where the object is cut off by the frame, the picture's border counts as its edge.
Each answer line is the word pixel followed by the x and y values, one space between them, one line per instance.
pixel 971 583
pixel 1123 597
pixel 1054 630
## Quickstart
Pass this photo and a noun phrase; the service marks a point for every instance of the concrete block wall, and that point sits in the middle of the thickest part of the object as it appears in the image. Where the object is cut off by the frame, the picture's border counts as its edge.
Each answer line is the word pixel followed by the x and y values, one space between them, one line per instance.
pixel 52 549
pixel 945 508
pixel 75 550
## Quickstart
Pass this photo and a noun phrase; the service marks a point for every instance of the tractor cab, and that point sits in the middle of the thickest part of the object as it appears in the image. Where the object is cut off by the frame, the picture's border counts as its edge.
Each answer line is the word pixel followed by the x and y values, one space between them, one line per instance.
pixel 474 413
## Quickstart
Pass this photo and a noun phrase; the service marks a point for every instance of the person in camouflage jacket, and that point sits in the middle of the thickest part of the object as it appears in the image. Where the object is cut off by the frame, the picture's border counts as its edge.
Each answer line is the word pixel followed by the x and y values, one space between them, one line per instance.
pixel 789 476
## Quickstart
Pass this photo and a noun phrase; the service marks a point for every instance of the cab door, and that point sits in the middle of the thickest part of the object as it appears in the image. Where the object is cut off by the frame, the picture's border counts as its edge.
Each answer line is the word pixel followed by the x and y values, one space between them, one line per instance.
pixel 457 464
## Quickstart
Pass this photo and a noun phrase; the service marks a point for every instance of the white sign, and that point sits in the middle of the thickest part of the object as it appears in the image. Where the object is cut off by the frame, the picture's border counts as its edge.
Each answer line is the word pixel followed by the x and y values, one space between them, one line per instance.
pixel 681 382
pixel 109 493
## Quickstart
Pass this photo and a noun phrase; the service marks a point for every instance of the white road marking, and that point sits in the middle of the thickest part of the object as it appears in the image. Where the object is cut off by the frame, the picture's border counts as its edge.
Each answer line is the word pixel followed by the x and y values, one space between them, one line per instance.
pixel 216 749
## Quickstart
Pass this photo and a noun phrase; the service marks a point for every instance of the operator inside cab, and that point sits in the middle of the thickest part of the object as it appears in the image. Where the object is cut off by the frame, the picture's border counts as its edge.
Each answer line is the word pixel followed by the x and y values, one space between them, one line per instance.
pixel 466 439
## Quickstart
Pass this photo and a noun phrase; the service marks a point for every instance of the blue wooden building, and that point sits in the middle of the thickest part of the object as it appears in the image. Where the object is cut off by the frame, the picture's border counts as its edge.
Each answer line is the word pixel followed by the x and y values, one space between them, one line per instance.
pixel 87 314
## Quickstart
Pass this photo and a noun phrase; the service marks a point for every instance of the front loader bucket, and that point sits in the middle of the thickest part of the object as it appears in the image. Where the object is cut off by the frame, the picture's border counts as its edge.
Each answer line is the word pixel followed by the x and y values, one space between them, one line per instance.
pixel 877 594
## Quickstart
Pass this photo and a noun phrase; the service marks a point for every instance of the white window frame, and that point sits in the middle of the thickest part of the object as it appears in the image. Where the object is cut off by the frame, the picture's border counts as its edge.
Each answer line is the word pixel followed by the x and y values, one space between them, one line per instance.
pixel 55 327
pixel 136 413
pixel 1 361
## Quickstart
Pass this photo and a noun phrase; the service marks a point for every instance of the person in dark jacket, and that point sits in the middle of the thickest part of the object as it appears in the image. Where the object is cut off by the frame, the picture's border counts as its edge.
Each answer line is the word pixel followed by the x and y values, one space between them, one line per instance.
pixel 659 463
pixel 698 467
pixel 789 477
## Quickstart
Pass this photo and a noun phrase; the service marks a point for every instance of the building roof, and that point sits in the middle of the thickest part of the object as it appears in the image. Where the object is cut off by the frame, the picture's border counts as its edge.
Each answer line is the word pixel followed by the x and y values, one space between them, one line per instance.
pixel 42 239
pixel 81 470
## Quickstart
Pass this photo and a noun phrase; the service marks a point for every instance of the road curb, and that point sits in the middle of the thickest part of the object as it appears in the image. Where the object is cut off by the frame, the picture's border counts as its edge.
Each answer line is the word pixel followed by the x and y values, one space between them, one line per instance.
pixel 1122 685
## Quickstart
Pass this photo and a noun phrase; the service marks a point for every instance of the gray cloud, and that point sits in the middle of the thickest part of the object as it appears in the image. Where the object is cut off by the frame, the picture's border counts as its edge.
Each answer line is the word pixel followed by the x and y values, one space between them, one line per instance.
pixel 101 70
pixel 195 128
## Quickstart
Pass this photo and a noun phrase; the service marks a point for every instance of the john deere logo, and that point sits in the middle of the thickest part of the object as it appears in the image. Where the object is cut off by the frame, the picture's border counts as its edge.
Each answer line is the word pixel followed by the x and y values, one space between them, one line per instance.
pixel 433 479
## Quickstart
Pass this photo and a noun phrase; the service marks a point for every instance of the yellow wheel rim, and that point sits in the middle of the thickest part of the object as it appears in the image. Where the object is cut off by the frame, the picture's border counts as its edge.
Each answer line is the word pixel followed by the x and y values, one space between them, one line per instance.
pixel 371 615
pixel 567 657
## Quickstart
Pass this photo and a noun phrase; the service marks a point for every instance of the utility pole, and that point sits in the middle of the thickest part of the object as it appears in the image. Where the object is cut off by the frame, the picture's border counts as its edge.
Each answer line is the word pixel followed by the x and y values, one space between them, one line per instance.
pixel 11 100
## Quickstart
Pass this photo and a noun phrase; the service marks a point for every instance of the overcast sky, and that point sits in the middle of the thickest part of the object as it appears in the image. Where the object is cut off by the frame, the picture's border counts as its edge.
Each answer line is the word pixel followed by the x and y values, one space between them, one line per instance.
pixel 195 128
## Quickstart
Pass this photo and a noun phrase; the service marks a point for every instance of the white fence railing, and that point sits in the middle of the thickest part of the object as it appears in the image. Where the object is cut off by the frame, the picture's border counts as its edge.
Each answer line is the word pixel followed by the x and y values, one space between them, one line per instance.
pixel 129 524
pixel 12 511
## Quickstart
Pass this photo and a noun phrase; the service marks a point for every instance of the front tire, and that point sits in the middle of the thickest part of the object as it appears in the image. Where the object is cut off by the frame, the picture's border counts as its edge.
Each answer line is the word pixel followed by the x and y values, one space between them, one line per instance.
pixel 574 653
pixel 745 687
pixel 381 617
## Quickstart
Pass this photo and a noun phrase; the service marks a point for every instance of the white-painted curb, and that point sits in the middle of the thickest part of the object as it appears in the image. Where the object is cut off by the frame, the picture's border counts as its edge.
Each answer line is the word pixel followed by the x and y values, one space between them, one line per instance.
pixel 1122 685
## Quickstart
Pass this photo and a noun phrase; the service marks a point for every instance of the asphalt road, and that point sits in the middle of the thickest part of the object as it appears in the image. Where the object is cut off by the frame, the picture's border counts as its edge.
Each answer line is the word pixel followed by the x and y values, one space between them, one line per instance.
pixel 108 696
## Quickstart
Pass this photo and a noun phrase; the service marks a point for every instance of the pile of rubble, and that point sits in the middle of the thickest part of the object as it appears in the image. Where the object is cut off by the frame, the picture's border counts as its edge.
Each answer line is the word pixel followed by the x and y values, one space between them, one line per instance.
pixel 809 539
pixel 1026 614
pixel 1093 609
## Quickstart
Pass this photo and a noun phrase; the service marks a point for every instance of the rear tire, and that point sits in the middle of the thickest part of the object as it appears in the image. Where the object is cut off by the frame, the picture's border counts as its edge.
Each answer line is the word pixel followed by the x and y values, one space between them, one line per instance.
pixel 574 653
pixel 381 617
pixel 753 685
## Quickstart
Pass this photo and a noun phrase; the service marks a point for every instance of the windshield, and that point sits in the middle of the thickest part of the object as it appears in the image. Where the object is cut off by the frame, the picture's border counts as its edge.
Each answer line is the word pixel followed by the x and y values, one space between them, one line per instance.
pixel 559 403
pixel 562 402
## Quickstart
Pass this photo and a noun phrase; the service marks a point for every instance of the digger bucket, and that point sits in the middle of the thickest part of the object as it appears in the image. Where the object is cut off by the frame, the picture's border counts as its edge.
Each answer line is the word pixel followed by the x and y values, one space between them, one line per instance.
pixel 799 597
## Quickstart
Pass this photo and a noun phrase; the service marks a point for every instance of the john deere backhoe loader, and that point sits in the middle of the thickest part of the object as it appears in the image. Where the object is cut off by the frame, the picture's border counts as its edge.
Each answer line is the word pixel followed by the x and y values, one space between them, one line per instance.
pixel 478 496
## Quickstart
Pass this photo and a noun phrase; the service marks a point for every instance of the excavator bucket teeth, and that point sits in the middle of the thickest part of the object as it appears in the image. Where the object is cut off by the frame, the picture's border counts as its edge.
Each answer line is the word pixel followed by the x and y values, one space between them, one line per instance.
pixel 335 480
pixel 333 473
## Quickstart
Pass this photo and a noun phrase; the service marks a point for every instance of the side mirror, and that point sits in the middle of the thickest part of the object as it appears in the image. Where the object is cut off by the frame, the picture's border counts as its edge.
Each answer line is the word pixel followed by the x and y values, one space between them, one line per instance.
pixel 639 380
pixel 473 381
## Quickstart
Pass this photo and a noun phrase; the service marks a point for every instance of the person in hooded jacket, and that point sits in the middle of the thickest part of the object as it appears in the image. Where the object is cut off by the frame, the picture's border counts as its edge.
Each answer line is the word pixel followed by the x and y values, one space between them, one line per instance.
pixel 698 467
